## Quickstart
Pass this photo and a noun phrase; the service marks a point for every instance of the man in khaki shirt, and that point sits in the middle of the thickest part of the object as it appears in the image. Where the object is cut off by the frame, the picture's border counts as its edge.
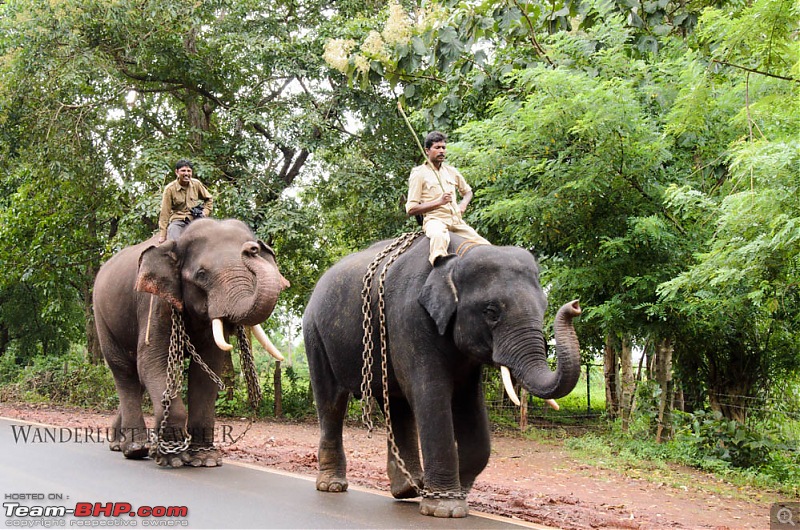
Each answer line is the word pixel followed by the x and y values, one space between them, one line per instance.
pixel 180 197
pixel 432 194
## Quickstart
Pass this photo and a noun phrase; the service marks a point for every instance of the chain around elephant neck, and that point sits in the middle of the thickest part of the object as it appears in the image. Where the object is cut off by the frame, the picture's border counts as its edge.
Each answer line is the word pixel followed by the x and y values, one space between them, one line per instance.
pixel 180 344
pixel 393 250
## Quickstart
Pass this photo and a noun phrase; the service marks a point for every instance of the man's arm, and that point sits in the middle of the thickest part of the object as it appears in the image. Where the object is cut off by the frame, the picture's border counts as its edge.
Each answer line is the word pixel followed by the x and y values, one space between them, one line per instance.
pixel 425 207
pixel 414 204
pixel 465 190
pixel 208 205
pixel 462 206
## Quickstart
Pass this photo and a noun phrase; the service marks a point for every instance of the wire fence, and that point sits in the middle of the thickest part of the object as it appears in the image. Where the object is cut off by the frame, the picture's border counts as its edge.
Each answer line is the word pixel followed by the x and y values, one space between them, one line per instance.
pixel 776 414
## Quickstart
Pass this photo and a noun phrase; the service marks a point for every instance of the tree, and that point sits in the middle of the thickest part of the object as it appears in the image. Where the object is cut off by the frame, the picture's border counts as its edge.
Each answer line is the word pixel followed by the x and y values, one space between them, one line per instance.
pixel 106 96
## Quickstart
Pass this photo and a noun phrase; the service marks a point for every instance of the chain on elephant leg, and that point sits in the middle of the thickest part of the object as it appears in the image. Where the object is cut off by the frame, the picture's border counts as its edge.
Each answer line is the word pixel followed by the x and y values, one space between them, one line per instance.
pixel 444 505
pixel 197 456
pixel 167 447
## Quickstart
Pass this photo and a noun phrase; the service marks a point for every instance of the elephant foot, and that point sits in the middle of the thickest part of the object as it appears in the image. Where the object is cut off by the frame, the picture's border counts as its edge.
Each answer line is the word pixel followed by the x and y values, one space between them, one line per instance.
pixel 331 483
pixel 168 460
pixel 452 508
pixel 134 450
pixel 399 485
pixel 202 457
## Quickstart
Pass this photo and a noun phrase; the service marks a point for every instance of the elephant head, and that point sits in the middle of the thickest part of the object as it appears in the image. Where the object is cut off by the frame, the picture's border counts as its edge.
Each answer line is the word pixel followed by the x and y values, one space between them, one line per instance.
pixel 495 304
pixel 217 272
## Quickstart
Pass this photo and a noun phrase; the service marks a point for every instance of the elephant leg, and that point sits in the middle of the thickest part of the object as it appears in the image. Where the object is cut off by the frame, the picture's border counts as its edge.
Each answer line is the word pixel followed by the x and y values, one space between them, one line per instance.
pixel 332 476
pixel 443 494
pixel 471 423
pixel 116 425
pixel 331 401
pixel 202 397
pixel 405 433
pixel 129 433
pixel 154 375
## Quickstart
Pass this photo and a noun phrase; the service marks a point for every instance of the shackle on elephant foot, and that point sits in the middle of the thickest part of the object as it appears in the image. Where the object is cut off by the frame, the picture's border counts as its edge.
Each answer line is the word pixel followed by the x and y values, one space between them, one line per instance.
pixel 452 508
pixel 202 457
pixel 168 459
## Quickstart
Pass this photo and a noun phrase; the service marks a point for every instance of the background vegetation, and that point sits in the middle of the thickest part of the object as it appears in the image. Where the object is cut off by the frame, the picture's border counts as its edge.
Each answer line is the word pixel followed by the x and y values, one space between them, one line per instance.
pixel 645 150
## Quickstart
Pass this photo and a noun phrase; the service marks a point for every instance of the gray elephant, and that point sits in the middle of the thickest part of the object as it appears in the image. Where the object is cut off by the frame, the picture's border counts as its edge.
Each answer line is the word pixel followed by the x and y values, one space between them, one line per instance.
pixel 216 276
pixel 483 307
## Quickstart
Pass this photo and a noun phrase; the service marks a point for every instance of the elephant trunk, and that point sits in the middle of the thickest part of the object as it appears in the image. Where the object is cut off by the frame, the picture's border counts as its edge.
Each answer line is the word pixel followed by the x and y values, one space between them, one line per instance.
pixel 531 367
pixel 247 290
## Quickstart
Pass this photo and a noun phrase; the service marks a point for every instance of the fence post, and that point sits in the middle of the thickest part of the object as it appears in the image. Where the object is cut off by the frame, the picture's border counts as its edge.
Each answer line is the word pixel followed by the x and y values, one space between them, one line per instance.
pixel 588 390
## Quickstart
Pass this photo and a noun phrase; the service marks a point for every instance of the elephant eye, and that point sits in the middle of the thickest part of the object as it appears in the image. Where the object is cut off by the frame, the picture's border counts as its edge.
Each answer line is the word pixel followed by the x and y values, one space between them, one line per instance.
pixel 200 275
pixel 492 313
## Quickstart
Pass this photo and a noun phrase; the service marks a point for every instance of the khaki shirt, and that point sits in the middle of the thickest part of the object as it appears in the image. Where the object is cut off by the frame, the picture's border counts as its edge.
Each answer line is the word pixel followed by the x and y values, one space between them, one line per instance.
pixel 177 201
pixel 423 186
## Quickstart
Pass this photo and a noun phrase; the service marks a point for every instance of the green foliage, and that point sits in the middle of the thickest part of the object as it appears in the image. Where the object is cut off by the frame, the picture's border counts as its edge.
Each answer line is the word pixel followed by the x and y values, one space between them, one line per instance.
pixel 296 396
pixel 715 437
pixel 297 401
pixel 773 464
pixel 66 379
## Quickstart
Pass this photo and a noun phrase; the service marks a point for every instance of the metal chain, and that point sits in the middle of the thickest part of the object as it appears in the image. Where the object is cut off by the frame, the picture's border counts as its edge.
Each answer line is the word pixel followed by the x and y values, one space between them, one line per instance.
pixel 366 309
pixel 443 494
pixel 174 384
pixel 249 368
pixel 393 250
pixel 179 343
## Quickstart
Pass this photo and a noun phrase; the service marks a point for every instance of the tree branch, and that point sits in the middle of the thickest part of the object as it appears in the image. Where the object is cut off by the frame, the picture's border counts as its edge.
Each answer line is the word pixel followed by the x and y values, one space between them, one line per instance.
pixel 751 70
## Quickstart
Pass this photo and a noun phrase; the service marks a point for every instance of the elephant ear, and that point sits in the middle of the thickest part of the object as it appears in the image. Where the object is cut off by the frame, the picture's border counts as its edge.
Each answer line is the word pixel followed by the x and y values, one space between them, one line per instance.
pixel 159 274
pixel 266 248
pixel 439 295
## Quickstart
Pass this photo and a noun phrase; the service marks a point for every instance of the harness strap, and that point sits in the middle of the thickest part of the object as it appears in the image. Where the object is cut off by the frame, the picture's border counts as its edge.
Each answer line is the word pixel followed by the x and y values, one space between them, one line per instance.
pixel 465 247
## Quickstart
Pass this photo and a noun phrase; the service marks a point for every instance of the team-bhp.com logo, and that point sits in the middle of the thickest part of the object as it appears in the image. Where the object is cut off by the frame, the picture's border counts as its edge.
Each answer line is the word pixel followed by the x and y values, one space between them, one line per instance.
pixel 160 515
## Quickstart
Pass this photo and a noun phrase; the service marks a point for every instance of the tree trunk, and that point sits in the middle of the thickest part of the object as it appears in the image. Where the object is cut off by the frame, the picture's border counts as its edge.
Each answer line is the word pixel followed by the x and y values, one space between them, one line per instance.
pixel 663 365
pixel 276 380
pixel 523 410
pixel 610 373
pixel 94 354
pixel 626 381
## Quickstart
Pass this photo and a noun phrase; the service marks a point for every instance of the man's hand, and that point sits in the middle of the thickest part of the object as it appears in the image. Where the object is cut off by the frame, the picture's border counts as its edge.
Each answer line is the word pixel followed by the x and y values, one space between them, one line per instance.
pixel 161 239
pixel 446 198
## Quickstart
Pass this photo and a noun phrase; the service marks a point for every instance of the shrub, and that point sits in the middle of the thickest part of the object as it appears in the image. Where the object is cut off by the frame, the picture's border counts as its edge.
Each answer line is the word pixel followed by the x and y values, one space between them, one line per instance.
pixel 68 379
pixel 727 440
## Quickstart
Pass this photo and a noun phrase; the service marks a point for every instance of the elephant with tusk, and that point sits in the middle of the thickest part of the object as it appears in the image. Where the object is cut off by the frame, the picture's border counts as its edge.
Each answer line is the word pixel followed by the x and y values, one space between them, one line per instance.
pixel 442 325
pixel 218 276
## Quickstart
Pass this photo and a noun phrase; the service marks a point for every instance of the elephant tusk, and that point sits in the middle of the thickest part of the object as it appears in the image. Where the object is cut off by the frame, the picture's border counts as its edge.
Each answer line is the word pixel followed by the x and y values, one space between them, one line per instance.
pixel 552 403
pixel 505 373
pixel 262 339
pixel 219 335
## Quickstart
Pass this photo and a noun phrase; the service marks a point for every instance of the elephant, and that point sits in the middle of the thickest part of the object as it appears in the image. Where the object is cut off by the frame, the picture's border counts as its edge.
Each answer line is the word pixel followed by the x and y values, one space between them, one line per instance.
pixel 482 306
pixel 216 276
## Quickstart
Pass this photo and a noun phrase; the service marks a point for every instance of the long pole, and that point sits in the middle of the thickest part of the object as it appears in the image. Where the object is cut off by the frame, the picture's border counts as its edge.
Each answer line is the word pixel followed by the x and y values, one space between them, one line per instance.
pixel 414 134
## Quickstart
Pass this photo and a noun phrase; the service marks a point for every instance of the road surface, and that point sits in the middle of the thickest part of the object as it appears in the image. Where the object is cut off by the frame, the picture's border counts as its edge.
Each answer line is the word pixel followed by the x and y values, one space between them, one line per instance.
pixel 52 477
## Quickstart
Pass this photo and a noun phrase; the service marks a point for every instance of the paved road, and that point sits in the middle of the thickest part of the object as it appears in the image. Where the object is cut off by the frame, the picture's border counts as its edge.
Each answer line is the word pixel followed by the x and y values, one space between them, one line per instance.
pixel 87 476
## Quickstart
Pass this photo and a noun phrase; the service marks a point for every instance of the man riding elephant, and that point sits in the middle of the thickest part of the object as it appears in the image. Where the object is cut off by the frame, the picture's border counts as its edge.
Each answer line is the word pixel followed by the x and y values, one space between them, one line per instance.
pixel 184 199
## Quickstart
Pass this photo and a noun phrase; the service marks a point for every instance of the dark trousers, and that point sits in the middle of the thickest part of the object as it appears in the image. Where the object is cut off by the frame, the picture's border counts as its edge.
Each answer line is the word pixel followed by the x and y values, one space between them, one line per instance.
pixel 176 228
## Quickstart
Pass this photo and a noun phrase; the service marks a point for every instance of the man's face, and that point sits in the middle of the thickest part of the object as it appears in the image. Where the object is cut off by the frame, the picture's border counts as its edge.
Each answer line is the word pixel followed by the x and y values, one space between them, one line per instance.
pixel 437 153
pixel 184 175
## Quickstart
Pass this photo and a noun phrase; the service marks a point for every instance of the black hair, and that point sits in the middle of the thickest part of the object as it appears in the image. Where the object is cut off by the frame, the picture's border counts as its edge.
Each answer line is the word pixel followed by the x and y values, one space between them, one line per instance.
pixel 183 163
pixel 433 137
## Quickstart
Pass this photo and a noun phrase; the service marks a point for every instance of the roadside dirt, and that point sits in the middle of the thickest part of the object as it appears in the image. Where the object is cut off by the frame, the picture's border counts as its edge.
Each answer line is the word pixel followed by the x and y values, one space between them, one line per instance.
pixel 531 481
